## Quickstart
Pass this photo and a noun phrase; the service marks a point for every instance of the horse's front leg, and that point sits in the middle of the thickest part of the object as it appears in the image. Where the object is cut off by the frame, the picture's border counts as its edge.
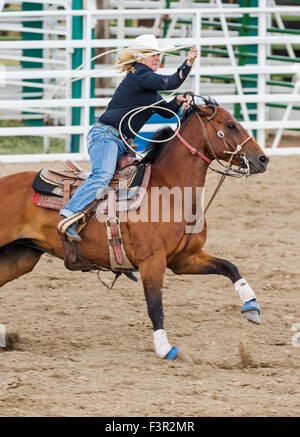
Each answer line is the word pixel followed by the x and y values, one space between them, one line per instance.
pixel 152 274
pixel 203 263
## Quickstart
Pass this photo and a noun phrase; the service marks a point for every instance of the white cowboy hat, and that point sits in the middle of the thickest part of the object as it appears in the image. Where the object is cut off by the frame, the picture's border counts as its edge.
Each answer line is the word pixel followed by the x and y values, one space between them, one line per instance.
pixel 149 42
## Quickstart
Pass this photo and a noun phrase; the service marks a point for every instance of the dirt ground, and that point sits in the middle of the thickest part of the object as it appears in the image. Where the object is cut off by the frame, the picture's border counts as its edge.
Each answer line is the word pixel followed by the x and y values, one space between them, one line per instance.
pixel 85 350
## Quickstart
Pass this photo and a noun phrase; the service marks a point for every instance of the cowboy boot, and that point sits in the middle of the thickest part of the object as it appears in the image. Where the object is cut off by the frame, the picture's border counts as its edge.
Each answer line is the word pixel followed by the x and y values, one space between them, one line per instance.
pixel 131 276
pixel 71 231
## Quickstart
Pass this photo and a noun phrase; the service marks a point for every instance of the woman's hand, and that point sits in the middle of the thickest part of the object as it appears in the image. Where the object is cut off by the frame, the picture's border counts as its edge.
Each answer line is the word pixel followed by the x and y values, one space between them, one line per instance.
pixel 180 99
pixel 192 55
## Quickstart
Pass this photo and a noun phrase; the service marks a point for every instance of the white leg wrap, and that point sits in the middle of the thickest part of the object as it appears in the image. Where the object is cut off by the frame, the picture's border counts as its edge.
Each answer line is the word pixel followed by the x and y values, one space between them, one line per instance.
pixel 244 290
pixel 161 343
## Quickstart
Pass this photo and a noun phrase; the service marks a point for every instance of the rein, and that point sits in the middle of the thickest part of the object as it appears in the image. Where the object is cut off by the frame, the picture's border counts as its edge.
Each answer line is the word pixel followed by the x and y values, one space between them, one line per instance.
pixel 192 149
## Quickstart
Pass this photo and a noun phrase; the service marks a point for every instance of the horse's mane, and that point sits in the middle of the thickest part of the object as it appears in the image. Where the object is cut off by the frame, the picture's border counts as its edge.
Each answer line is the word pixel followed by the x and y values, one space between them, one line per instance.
pixel 205 101
pixel 153 149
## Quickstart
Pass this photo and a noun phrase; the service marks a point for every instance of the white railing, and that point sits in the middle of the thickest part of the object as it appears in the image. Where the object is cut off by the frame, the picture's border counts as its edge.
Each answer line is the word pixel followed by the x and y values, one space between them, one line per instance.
pixel 61 105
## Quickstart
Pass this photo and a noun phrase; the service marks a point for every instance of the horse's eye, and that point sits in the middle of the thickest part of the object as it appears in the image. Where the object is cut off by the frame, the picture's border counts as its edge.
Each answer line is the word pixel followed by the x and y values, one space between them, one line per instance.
pixel 231 126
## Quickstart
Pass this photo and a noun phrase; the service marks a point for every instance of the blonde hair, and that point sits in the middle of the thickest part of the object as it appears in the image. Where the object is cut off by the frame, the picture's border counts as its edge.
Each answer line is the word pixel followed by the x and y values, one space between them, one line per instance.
pixel 128 57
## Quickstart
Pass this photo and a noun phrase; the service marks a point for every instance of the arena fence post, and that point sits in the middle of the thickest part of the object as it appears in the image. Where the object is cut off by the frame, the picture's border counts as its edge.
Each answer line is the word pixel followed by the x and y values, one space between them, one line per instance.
pixel 248 55
pixel 77 33
pixel 34 53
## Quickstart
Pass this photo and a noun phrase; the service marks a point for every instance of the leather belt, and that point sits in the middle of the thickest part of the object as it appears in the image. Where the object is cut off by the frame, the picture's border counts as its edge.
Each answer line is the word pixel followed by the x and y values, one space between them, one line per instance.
pixel 108 128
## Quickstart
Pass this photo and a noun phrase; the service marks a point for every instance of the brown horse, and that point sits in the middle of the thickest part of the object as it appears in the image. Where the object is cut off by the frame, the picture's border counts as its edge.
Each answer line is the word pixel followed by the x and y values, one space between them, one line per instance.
pixel 27 231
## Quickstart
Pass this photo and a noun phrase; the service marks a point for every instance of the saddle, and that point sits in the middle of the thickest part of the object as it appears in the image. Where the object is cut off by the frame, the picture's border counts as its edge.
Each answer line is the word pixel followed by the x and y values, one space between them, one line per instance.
pixel 63 183
pixel 53 189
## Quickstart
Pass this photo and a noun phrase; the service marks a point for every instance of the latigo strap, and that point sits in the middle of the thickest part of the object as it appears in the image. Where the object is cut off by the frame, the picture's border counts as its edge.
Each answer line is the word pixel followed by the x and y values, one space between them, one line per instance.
pixel 118 257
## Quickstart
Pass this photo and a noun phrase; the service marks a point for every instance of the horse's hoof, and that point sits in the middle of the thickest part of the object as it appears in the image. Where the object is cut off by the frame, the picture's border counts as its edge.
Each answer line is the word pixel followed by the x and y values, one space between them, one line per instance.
pixel 251 311
pixel 176 353
pixel 182 356
pixel 252 316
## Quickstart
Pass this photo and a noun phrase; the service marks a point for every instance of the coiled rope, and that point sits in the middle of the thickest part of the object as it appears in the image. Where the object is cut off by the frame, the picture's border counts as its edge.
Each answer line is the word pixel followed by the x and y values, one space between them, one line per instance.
pixel 52 93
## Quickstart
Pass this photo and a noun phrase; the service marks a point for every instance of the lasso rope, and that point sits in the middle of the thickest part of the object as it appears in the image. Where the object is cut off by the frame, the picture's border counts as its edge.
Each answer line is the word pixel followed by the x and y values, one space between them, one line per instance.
pixel 51 94
pixel 136 111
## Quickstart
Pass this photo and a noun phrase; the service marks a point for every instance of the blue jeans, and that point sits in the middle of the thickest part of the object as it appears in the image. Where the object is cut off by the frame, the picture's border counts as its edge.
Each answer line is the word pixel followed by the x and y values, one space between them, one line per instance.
pixel 104 151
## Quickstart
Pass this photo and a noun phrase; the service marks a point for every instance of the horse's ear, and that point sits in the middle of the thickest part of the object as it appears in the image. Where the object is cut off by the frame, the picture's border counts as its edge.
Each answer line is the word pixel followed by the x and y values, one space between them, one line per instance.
pixel 204 110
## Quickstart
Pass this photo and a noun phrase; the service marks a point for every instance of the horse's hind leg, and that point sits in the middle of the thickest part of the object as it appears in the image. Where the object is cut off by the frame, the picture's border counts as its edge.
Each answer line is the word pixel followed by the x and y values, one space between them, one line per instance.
pixel 203 263
pixel 16 260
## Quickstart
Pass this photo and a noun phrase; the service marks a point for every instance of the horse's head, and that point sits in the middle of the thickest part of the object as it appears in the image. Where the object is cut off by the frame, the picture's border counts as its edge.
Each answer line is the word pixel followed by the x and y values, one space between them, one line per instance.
pixel 227 140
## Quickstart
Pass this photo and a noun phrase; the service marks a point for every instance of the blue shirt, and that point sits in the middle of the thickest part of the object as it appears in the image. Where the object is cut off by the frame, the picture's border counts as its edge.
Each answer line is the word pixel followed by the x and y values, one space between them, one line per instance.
pixel 141 89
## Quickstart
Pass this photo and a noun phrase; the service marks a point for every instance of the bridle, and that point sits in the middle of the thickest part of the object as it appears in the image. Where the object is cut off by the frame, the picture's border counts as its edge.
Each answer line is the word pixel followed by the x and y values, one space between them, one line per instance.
pixel 229 170
pixel 234 150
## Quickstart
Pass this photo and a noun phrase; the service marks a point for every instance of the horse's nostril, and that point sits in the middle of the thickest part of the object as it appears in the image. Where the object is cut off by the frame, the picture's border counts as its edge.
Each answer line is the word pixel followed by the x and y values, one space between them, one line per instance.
pixel 264 159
